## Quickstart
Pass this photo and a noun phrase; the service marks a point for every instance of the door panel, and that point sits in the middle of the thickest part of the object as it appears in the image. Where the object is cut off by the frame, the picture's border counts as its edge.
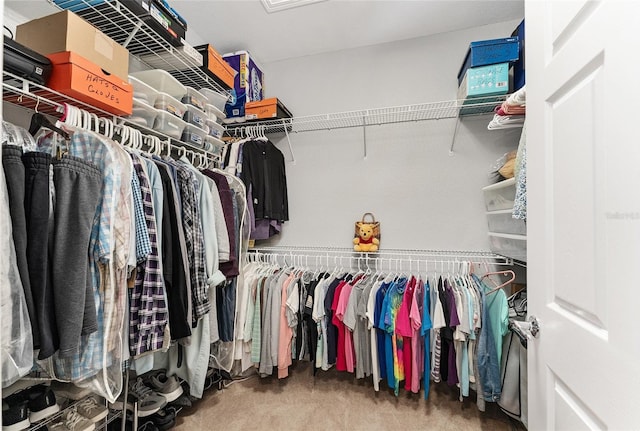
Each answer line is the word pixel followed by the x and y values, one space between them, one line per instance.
pixel 583 193
pixel 575 175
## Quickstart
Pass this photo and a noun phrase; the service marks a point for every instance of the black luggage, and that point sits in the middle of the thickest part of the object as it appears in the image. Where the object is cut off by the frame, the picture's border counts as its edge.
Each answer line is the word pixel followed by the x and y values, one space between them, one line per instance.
pixel 26 63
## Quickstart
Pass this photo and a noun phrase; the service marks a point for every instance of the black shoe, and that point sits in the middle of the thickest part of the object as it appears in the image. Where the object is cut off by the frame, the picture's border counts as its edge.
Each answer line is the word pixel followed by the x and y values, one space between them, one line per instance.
pixel 164 419
pixel 41 402
pixel 15 417
pixel 181 402
pixel 116 425
pixel 145 425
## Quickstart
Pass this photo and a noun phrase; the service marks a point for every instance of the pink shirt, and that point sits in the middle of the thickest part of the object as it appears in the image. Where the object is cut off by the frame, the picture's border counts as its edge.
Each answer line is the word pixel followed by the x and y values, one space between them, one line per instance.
pixel 417 344
pixel 341 363
pixel 349 352
pixel 403 327
pixel 286 334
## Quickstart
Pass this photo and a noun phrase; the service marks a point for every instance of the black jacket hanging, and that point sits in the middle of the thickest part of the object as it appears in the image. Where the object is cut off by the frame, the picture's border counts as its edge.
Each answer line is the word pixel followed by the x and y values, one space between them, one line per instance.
pixel 263 170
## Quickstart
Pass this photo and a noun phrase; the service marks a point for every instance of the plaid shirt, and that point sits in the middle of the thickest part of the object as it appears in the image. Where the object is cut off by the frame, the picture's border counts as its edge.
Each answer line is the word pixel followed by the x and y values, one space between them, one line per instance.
pixel 147 307
pixel 194 239
pixel 143 243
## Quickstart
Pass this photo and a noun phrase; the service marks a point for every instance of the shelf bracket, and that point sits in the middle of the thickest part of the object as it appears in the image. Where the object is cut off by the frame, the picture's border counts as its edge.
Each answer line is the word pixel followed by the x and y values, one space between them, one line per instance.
pixel 364 136
pixel 455 133
pixel 134 31
pixel 286 132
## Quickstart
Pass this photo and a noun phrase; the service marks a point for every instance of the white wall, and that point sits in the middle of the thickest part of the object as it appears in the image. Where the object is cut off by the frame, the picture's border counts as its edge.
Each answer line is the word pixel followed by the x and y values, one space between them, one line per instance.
pixel 424 198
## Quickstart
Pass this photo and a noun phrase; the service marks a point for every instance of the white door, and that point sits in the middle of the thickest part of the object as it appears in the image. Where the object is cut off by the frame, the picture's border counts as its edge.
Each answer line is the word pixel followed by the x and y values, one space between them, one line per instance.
pixel 583 185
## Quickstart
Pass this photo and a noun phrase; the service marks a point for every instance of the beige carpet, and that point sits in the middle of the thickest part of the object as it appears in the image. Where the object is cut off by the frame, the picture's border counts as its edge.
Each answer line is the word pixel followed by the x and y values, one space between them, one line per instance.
pixel 334 401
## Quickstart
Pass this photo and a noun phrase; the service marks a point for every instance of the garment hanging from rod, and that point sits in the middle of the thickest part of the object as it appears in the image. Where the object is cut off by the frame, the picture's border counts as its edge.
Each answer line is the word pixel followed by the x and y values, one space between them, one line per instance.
pixel 124 242
pixel 368 321
pixel 16 341
pixel 261 167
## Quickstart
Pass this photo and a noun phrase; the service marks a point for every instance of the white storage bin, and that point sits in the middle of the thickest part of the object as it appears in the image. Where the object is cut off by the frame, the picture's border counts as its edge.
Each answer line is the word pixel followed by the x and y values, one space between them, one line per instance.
pixel 143 114
pixel 216 130
pixel 162 81
pixel 514 246
pixel 503 222
pixel 500 196
pixel 193 135
pixel 195 98
pixel 142 91
pixel 213 145
pixel 165 102
pixel 216 99
pixel 214 113
pixel 169 124
pixel 196 117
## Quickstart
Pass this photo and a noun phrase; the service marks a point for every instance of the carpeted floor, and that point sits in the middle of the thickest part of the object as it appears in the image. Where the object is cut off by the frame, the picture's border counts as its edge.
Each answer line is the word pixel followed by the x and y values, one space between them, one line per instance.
pixel 335 401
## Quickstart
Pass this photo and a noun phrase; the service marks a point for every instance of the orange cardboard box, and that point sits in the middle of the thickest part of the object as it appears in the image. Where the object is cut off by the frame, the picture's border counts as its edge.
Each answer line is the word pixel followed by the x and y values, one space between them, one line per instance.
pixel 85 81
pixel 220 69
pixel 266 109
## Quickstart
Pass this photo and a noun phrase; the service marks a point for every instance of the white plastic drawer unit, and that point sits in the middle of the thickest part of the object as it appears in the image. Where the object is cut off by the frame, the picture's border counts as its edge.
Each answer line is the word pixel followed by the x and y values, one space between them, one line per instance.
pixel 500 196
pixel 501 221
pixel 514 246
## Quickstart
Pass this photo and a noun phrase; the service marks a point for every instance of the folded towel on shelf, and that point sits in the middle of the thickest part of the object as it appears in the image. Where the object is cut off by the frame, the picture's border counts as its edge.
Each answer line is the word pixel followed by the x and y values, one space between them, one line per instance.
pixel 508 109
pixel 519 98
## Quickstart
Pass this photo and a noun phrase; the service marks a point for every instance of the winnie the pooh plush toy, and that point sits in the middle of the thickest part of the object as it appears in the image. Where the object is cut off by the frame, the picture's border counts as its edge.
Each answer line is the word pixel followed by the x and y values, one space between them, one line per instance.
pixel 365 240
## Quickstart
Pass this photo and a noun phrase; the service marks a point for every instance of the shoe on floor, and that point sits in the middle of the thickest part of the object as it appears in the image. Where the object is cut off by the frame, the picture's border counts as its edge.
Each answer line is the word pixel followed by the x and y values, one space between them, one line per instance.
pixel 145 425
pixel 167 386
pixel 182 401
pixel 164 419
pixel 92 409
pixel 149 402
pixel 15 417
pixel 74 421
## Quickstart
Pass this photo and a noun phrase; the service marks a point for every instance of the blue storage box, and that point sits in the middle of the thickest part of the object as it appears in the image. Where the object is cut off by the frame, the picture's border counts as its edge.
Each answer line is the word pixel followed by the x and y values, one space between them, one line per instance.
pixel 484 81
pixel 485 52
pixel 518 66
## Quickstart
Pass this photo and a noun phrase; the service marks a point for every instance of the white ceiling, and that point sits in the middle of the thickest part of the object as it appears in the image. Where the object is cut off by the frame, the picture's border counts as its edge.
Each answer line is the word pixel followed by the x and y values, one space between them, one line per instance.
pixel 232 25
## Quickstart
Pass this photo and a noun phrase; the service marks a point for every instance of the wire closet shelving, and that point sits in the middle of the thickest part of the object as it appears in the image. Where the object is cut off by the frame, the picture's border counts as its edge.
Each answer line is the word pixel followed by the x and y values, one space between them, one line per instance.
pixel 24 93
pixel 119 23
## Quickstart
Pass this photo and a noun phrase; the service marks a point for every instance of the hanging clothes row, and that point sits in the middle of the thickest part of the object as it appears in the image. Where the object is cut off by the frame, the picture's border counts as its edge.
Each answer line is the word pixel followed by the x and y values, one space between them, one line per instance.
pixel 260 165
pixel 405 329
pixel 120 254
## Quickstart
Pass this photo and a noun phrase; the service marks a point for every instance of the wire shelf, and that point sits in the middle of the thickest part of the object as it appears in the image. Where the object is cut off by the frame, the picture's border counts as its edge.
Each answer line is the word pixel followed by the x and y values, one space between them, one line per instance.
pixel 377 116
pixel 116 21
pixel 22 92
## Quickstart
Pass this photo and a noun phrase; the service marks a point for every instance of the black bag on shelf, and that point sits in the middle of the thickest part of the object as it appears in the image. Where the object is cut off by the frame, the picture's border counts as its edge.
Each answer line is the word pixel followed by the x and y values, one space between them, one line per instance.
pixel 26 63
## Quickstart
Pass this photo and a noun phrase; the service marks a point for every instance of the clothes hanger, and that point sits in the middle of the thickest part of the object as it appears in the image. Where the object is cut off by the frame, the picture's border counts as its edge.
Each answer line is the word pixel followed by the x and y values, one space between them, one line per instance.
pixel 39 121
pixel 507 272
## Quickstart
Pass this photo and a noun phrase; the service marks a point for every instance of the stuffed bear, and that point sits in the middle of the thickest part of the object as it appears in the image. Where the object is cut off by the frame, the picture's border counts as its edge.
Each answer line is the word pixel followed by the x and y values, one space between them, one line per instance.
pixel 365 241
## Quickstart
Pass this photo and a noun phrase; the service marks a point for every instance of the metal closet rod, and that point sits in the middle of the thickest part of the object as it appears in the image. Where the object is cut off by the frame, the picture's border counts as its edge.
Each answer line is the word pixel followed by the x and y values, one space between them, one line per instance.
pixel 394 254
